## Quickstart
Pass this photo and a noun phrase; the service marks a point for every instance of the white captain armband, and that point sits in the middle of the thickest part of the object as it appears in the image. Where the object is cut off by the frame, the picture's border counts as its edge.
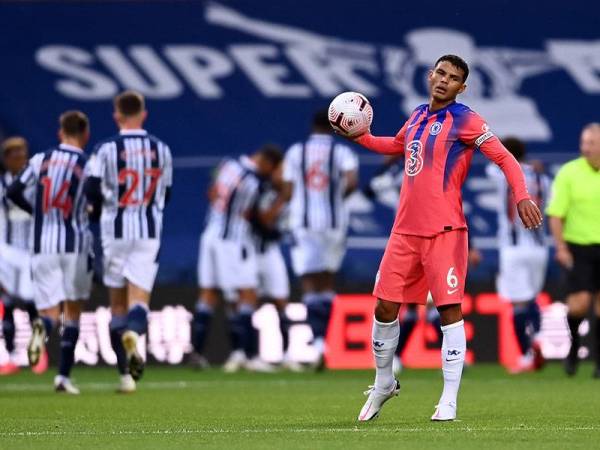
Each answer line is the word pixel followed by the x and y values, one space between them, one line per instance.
pixel 484 137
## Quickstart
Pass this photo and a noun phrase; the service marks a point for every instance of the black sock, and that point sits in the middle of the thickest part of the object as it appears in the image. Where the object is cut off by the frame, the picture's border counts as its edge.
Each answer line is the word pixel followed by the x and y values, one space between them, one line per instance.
pixel 534 316
pixel 284 328
pixel 137 319
pixel 117 326
pixel 31 310
pixel 574 323
pixel 236 331
pixel 200 324
pixel 407 325
pixel 520 316
pixel 318 314
pixel 8 324
pixel 249 333
pixel 68 341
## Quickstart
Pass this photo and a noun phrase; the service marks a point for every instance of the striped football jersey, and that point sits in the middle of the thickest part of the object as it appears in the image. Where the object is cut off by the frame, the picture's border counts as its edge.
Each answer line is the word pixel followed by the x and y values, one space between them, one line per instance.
pixel 136 170
pixel 316 170
pixel 511 231
pixel 60 222
pixel 235 193
pixel 15 224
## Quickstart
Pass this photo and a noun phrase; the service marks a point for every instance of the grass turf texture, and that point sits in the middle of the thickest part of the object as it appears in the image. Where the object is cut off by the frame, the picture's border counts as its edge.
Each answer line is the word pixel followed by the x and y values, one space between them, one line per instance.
pixel 182 408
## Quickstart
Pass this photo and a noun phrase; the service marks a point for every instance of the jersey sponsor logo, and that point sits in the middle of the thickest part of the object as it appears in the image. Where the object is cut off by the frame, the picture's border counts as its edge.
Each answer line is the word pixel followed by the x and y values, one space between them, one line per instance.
pixel 484 137
pixel 435 128
pixel 414 161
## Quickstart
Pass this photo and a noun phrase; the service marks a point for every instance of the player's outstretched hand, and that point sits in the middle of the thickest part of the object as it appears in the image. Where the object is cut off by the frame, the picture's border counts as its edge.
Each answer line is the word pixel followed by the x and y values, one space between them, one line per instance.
pixel 529 213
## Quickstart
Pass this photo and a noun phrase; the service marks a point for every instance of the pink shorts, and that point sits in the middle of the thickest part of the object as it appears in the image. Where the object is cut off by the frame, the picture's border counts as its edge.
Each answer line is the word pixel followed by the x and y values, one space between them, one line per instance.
pixel 414 265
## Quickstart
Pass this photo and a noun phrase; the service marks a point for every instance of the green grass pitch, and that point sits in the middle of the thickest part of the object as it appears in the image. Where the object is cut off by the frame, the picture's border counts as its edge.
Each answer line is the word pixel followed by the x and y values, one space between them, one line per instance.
pixel 182 408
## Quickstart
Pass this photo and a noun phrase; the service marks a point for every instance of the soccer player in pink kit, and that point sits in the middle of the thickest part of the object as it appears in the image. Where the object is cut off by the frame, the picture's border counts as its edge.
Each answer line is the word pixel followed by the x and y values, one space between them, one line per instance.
pixel 427 248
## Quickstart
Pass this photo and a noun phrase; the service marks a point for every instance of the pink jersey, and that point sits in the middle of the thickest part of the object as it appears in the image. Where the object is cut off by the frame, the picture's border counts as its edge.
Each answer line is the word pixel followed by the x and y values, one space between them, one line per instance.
pixel 438 147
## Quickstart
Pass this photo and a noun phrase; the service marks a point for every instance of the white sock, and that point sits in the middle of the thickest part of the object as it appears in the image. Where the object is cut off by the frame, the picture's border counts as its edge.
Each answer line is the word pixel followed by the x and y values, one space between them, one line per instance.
pixel 454 347
pixel 385 341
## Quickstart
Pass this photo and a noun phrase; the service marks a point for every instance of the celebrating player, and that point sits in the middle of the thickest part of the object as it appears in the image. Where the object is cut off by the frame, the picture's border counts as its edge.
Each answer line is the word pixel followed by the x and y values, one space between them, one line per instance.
pixel 273 280
pixel 427 249
pixel 227 257
pixel 523 257
pixel 318 174
pixel 61 261
pixel 130 181
pixel 15 261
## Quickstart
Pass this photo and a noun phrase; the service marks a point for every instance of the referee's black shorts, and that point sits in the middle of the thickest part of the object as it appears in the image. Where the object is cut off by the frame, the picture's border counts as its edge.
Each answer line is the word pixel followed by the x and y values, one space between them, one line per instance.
pixel 585 274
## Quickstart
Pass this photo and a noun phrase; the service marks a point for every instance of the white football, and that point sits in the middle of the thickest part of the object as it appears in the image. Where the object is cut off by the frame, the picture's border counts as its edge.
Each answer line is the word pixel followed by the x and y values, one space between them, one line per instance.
pixel 350 114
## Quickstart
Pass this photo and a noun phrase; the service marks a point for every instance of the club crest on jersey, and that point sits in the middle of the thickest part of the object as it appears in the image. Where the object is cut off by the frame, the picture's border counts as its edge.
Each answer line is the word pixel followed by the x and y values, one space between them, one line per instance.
pixel 435 128
pixel 414 158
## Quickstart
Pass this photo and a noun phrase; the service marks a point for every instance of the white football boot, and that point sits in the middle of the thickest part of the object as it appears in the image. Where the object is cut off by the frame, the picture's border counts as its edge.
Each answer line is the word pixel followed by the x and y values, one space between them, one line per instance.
pixel 375 401
pixel 126 384
pixel 444 412
pixel 134 359
pixel 64 385
pixel 37 342
pixel 235 362
pixel 258 365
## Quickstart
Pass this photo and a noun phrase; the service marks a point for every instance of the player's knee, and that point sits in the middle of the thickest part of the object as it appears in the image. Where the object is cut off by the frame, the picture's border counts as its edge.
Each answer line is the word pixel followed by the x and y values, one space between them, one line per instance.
pixel 579 303
pixel 450 314
pixel 386 311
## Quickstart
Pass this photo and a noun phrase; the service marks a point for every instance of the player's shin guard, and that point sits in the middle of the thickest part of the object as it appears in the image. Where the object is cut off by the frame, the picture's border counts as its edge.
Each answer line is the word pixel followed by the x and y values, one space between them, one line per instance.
pixel 137 318
pixel 454 348
pixel 385 342
pixel 249 333
pixel 520 320
pixel 408 325
pixel 8 324
pixel 200 323
pixel 117 326
pixel 67 347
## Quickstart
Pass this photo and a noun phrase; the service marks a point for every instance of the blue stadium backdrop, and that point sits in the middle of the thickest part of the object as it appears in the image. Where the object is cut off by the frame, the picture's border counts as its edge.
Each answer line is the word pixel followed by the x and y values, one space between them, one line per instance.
pixel 221 78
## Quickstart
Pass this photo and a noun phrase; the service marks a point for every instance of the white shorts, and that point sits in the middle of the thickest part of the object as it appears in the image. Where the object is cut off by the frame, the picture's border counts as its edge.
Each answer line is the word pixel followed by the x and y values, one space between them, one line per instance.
pixel 318 251
pixel 60 277
pixel 273 280
pixel 135 261
pixel 522 272
pixel 225 264
pixel 15 272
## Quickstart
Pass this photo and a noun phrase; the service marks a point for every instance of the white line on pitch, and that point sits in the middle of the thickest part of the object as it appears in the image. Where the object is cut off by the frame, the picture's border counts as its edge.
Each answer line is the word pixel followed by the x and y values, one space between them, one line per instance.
pixel 434 429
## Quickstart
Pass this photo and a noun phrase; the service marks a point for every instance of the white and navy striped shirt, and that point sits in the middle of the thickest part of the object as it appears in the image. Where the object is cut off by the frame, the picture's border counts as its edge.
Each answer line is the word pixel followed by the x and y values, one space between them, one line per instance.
pixel 511 231
pixel 60 222
pixel 136 170
pixel 316 169
pixel 15 224
pixel 236 190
